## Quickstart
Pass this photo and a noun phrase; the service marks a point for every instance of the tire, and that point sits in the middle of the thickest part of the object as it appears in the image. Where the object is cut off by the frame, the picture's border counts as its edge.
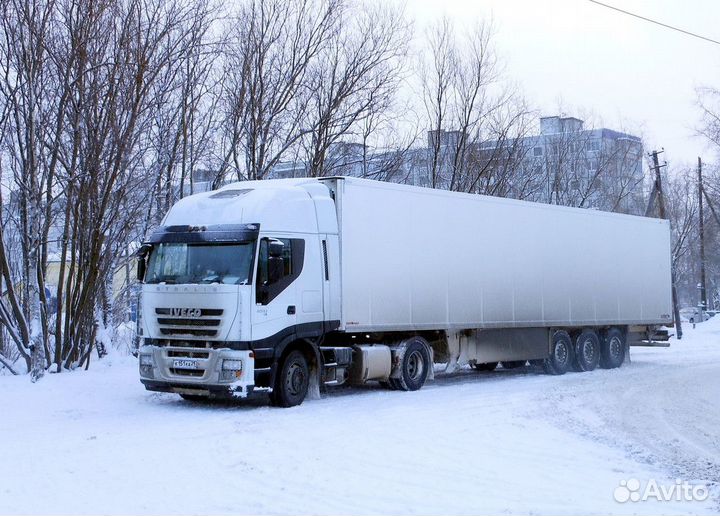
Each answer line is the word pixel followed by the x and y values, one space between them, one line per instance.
pixel 488 366
pixel 587 351
pixel 514 364
pixel 612 349
pixel 292 382
pixel 415 366
pixel 561 354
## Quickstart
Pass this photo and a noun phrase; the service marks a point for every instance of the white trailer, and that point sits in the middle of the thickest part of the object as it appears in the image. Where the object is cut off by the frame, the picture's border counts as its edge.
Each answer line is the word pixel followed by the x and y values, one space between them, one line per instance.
pixel 285 285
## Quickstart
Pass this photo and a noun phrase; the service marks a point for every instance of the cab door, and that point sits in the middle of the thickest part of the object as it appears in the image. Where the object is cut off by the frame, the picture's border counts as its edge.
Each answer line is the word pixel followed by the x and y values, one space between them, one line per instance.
pixel 276 295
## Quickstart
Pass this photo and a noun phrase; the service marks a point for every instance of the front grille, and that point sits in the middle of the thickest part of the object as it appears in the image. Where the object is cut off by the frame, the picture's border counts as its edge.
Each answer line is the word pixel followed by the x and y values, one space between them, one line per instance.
pixel 189 322
pixel 188 331
pixel 204 324
pixel 187 372
pixel 174 353
pixel 204 312
pixel 180 343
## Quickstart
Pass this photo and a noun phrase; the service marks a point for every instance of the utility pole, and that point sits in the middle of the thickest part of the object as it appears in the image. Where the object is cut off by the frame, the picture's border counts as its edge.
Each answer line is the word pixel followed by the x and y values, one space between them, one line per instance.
pixel 657 195
pixel 701 227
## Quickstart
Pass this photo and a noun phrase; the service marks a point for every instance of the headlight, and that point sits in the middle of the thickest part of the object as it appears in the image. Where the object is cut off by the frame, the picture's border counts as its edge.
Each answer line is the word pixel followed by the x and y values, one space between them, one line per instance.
pixel 146 360
pixel 232 365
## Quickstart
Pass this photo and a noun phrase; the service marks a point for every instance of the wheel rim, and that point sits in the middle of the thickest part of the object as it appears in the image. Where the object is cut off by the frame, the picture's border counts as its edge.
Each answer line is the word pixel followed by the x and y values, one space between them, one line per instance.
pixel 588 351
pixel 561 352
pixel 295 379
pixel 415 365
pixel 615 348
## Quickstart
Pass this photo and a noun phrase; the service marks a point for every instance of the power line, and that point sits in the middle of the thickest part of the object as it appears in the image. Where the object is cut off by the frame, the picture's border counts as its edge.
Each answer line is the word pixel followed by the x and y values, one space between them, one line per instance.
pixel 671 27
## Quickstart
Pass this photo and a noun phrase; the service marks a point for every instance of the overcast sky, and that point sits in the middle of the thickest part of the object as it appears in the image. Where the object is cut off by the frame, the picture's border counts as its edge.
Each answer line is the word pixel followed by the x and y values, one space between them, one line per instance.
pixel 629 73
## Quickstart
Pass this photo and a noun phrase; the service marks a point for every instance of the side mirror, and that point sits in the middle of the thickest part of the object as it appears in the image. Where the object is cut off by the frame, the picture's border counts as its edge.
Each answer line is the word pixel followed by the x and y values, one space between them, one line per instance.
pixel 141 266
pixel 276 264
pixel 276 268
pixel 141 260
pixel 275 248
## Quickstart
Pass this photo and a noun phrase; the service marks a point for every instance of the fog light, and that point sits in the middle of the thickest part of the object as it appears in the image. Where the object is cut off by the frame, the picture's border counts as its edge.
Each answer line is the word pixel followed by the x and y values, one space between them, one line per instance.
pixel 146 360
pixel 232 365
pixel 147 372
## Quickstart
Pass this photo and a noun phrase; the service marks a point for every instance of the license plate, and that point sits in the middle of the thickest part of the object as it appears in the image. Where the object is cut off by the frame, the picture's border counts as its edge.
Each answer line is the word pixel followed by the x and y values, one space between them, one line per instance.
pixel 185 364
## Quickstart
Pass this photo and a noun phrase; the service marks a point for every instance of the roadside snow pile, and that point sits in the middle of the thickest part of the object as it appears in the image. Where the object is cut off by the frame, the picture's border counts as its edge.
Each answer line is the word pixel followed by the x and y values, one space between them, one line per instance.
pixel 511 441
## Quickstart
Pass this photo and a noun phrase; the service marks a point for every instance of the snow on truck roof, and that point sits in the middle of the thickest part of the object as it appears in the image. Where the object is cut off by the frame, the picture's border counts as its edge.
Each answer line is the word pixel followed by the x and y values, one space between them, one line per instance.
pixel 287 204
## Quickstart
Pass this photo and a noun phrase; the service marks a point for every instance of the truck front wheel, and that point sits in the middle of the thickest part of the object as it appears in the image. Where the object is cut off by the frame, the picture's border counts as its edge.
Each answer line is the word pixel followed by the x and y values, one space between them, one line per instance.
pixel 293 379
pixel 561 354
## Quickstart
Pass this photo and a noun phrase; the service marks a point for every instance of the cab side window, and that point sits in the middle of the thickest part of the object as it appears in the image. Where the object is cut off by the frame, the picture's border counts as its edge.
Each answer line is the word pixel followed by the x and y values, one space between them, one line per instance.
pixel 276 272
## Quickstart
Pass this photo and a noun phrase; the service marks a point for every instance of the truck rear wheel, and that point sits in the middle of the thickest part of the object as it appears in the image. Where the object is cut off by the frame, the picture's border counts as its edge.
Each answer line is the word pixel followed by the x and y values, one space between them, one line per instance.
pixel 587 351
pixel 415 366
pixel 292 382
pixel 612 350
pixel 561 354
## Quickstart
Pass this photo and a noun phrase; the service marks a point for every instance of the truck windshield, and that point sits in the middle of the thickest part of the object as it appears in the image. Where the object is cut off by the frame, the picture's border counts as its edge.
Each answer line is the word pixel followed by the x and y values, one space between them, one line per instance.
pixel 200 263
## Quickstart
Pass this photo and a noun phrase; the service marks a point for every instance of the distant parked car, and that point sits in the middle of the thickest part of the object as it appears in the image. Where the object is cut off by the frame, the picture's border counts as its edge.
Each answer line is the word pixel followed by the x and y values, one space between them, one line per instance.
pixel 711 313
pixel 693 315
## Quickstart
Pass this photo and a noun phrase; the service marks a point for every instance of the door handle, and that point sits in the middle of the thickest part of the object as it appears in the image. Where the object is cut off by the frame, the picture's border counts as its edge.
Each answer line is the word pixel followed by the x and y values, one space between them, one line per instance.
pixel 291 310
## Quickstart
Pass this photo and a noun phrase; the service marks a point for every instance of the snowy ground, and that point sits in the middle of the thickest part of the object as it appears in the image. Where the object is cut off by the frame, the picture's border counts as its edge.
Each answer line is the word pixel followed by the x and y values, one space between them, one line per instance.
pixel 509 441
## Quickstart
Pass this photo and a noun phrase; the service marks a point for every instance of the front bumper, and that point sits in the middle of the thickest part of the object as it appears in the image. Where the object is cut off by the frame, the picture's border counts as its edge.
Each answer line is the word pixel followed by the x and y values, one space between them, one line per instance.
pixel 197 371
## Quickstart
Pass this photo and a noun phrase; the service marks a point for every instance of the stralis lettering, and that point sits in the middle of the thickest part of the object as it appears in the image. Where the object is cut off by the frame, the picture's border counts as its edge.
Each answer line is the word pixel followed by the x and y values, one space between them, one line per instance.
pixel 185 312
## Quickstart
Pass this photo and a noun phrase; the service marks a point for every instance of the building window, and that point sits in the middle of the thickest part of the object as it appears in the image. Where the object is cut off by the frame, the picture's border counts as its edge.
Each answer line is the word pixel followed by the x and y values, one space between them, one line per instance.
pixel 537 151
pixel 594 145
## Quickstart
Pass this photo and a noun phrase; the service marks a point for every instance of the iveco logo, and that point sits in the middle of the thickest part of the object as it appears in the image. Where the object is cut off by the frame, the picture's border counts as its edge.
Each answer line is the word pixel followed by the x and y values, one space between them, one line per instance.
pixel 185 312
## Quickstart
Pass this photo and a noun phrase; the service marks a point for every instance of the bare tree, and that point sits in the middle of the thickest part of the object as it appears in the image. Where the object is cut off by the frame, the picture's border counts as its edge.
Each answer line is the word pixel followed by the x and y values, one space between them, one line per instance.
pixel 437 76
pixel 355 77
pixel 272 45
pixel 682 208
pixel 476 117
pixel 78 83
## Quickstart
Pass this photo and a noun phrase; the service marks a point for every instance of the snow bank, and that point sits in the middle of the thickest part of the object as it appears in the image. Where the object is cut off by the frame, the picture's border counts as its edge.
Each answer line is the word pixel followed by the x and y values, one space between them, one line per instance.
pixel 509 441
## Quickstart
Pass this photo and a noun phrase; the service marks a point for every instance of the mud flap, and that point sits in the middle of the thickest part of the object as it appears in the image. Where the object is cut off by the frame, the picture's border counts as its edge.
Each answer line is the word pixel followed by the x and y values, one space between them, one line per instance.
pixel 453 343
pixel 431 372
pixel 313 392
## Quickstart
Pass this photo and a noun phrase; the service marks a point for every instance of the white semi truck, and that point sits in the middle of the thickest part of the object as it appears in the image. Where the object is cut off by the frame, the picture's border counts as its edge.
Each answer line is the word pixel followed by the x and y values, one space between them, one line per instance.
pixel 282 286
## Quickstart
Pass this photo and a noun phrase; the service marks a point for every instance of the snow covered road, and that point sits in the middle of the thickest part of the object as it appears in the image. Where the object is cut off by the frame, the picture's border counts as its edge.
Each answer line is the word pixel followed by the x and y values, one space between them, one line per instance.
pixel 509 441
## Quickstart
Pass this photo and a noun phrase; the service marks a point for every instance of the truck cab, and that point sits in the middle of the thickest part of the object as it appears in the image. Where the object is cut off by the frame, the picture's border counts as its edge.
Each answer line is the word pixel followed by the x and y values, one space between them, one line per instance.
pixel 238 284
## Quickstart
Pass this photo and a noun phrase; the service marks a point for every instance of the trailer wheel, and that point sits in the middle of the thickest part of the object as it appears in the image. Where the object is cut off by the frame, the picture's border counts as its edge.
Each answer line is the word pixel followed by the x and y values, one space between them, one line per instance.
pixel 587 351
pixel 514 364
pixel 488 366
pixel 561 354
pixel 612 350
pixel 292 382
pixel 415 365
